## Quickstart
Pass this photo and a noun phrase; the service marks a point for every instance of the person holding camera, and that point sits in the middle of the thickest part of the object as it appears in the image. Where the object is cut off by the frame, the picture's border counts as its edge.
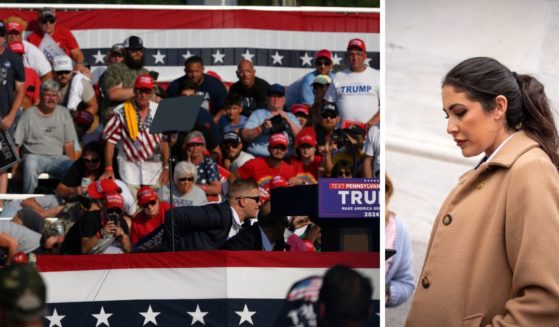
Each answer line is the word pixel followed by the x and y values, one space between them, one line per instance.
pixel 264 122
pixel 84 171
pixel 103 228
pixel 345 144
pixel 325 127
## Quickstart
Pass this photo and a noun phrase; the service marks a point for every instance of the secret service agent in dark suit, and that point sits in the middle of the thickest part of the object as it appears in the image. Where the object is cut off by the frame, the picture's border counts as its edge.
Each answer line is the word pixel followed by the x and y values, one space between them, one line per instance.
pixel 208 227
pixel 250 238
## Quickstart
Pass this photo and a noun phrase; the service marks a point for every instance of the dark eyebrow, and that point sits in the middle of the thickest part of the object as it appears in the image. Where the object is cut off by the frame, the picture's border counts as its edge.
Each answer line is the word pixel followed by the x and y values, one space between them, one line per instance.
pixel 454 105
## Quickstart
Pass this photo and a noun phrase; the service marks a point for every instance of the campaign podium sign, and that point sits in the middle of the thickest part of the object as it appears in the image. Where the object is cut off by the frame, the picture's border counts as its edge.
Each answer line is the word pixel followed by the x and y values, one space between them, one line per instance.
pixel 348 198
pixel 8 153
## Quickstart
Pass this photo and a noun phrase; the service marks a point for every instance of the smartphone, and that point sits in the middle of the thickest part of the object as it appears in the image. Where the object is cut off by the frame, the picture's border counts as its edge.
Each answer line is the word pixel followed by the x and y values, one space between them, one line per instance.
pixel 86 181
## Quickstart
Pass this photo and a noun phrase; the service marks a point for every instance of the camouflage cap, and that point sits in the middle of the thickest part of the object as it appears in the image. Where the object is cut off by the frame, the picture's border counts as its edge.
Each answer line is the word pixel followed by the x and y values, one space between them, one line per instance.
pixel 22 293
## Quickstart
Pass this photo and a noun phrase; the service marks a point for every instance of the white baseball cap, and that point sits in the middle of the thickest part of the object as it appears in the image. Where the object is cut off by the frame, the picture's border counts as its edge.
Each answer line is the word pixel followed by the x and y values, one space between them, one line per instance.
pixel 62 63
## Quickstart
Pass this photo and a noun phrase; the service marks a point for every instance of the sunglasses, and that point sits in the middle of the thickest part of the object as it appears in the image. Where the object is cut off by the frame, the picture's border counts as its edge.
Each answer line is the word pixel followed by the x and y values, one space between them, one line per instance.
pixel 91 161
pixel 189 179
pixel 232 144
pixel 280 147
pixel 63 72
pixel 344 173
pixel 255 198
pixel 144 91
pixel 48 20
pixel 150 203
pixel 329 115
pixel 323 63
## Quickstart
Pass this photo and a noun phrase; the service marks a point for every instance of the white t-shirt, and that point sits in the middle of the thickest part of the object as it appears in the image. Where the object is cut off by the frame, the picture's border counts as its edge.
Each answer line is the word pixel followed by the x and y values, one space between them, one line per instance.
pixel 241 160
pixel 34 58
pixel 195 197
pixel 356 94
pixel 129 200
pixel 372 147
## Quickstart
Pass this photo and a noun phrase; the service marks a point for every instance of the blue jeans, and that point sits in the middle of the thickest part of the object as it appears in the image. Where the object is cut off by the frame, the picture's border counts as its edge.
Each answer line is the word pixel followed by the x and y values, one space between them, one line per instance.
pixel 36 164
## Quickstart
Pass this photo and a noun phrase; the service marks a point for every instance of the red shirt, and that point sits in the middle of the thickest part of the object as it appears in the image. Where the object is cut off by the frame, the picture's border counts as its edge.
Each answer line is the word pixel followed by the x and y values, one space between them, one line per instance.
pixel 258 170
pixel 308 173
pixel 142 225
pixel 62 36
pixel 32 80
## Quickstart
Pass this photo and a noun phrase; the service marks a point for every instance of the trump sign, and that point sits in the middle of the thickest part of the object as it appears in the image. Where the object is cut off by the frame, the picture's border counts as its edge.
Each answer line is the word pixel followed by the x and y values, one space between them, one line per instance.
pixel 348 198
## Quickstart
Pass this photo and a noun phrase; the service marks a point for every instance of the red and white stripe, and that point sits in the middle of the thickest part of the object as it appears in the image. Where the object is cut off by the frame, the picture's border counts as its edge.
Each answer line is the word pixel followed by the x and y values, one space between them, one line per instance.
pixel 116 130
pixel 220 27
pixel 191 275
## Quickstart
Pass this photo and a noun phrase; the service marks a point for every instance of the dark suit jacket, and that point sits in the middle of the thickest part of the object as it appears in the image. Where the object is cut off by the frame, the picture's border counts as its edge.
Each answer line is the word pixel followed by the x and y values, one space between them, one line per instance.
pixel 198 228
pixel 249 239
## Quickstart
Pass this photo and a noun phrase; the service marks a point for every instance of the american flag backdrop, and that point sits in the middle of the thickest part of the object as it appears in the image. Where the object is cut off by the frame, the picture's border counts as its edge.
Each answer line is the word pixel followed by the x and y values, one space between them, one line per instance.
pixel 215 288
pixel 281 44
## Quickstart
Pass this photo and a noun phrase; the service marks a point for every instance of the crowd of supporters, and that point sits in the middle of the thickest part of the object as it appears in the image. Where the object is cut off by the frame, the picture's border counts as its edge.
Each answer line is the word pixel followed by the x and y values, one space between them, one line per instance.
pixel 90 132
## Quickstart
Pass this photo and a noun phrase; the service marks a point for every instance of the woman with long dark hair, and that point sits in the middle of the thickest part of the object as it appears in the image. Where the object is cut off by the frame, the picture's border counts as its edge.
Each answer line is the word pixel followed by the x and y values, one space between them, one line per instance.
pixel 492 256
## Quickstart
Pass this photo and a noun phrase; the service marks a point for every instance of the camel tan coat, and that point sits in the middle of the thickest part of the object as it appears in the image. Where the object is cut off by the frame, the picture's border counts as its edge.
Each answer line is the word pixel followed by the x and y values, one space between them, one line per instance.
pixel 493 256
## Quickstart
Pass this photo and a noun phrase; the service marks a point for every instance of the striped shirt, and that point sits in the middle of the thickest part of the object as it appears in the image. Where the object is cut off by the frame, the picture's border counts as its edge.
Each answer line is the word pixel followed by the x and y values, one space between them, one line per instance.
pixel 145 145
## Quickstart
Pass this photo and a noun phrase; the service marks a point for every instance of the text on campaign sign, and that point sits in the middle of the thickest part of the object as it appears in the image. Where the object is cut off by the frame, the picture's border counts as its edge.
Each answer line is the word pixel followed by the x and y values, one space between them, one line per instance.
pixel 348 198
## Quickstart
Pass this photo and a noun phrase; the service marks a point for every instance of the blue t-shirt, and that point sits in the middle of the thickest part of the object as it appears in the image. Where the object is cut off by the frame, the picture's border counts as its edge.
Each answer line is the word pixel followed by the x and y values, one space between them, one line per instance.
pixel 259 146
pixel 225 126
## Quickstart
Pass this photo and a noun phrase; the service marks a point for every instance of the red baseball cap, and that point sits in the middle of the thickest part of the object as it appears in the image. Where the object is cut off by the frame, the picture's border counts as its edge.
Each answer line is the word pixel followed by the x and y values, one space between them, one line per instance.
pixel 144 82
pixel 114 200
pixel 324 54
pixel 300 108
pixel 357 43
pixel 278 139
pixel 17 47
pixel 13 26
pixel 278 181
pixel 145 195
pixel 101 188
pixel 306 138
